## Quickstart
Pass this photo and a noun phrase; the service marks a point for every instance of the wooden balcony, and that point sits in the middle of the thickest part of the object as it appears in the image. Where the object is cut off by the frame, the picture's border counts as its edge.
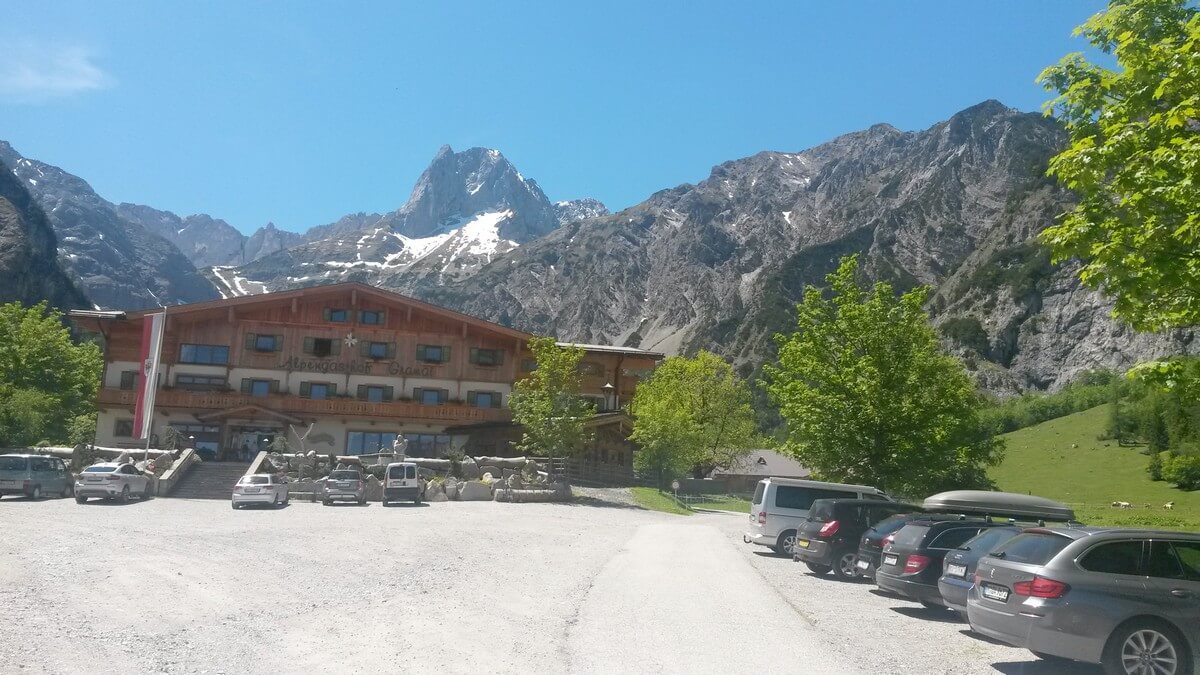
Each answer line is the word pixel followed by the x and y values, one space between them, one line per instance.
pixel 180 399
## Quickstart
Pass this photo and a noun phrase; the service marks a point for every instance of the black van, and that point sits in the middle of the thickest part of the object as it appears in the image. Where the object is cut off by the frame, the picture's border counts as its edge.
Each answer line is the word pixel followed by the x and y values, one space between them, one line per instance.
pixel 828 539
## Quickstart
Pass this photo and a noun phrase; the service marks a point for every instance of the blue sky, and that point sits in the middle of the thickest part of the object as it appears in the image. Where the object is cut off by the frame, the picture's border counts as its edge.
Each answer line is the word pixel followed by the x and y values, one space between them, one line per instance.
pixel 298 114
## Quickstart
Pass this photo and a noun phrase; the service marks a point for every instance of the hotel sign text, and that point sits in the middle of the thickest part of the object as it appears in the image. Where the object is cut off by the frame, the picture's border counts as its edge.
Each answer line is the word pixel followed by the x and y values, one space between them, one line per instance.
pixel 356 367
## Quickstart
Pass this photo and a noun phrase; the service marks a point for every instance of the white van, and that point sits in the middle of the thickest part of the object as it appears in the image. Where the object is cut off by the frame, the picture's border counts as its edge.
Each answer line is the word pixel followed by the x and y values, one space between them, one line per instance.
pixel 402 480
pixel 781 504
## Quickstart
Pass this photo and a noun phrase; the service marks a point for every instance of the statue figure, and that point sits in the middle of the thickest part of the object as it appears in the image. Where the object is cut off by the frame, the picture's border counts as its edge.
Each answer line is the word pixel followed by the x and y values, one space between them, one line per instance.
pixel 399 447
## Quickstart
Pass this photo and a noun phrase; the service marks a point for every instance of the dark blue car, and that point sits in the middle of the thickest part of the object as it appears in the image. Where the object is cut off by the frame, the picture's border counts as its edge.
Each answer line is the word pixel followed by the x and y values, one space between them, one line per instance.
pixel 958 569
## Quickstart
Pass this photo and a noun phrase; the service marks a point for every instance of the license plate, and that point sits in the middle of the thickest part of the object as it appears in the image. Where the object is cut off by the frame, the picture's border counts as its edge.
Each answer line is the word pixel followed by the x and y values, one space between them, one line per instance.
pixel 95 480
pixel 995 592
pixel 862 564
pixel 890 560
pixel 253 491
pixel 802 543
pixel 956 570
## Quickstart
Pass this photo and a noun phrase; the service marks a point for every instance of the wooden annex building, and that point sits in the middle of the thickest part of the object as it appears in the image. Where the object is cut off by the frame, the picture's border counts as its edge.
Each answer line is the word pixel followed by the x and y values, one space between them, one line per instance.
pixel 360 364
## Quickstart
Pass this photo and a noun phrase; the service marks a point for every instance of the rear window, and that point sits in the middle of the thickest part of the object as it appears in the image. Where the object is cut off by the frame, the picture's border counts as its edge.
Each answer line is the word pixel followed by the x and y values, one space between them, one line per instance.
pixel 103 469
pixel 891 523
pixel 345 475
pixel 13 463
pixel 256 480
pixel 796 497
pixel 990 539
pixel 954 537
pixel 396 472
pixel 758 494
pixel 1035 548
pixel 821 511
pixel 911 536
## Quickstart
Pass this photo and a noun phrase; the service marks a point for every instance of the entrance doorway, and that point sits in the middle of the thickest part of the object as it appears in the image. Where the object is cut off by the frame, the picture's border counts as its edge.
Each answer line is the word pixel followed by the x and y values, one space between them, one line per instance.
pixel 247 441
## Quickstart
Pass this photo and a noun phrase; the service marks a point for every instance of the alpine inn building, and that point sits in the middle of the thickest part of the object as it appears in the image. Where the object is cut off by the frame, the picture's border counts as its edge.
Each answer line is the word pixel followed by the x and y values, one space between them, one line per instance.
pixel 360 364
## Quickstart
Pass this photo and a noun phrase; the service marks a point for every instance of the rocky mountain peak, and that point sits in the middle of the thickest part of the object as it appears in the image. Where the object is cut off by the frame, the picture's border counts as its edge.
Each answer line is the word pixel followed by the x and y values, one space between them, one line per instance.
pixel 579 209
pixel 459 186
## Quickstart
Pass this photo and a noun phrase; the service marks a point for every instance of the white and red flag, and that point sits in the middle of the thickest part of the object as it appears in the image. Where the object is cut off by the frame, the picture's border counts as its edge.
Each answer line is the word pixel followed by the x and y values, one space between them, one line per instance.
pixel 152 336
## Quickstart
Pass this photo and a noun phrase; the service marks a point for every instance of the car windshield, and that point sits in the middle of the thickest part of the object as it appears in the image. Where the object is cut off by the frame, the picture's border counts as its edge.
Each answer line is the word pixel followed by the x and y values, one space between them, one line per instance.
pixel 911 536
pixel 396 472
pixel 344 475
pixel 255 480
pixel 990 539
pixel 13 463
pixel 103 469
pixel 1035 548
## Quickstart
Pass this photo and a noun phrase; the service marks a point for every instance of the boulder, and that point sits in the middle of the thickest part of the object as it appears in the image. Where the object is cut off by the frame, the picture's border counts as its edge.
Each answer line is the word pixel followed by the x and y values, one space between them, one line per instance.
pixel 470 470
pixel 488 468
pixel 515 482
pixel 451 488
pixel 507 472
pixel 474 490
pixel 438 496
pixel 374 489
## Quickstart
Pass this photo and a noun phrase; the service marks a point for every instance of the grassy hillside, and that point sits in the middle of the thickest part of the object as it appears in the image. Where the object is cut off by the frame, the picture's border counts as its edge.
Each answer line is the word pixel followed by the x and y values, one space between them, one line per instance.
pixel 1091 476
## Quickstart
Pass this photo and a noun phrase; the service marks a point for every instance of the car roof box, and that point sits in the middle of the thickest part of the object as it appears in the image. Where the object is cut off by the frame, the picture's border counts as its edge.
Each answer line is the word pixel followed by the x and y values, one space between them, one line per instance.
pixel 1001 504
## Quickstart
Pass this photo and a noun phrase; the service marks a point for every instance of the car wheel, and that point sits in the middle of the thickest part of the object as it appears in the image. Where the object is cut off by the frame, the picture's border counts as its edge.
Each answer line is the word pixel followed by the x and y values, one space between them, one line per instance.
pixel 233 505
pixel 845 568
pixel 36 492
pixel 125 495
pixel 326 502
pixel 80 500
pixel 68 490
pixel 1146 645
pixel 817 568
pixel 147 493
pixel 787 541
pixel 383 502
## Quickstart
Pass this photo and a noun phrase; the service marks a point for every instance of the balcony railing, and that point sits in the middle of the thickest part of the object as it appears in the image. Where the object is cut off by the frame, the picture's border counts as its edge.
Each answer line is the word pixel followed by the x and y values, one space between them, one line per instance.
pixel 304 407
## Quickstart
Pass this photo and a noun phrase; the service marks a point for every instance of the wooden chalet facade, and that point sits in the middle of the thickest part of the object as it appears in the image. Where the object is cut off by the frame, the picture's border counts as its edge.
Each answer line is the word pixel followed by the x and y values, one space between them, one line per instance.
pixel 360 364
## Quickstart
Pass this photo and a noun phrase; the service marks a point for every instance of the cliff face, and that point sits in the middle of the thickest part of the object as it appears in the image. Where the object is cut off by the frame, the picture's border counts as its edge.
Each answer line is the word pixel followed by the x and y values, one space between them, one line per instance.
pixel 719 265
pixel 29 271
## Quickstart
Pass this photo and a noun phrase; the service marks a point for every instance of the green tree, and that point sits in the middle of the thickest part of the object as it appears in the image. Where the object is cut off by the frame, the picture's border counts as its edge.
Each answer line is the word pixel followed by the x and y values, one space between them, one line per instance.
pixel 46 380
pixel 547 402
pixel 869 397
pixel 1134 160
pixel 692 415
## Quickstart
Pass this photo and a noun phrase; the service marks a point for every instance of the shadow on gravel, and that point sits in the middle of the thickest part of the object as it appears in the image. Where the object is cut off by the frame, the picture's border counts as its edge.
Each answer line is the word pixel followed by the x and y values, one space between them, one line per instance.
pixel 981 637
pixel 1047 667
pixel 404 505
pixel 772 554
pixel 598 503
pixel 939 615
pixel 113 502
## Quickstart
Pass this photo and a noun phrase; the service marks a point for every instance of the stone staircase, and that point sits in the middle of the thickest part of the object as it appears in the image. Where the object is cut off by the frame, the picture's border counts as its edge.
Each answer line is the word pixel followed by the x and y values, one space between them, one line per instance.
pixel 209 480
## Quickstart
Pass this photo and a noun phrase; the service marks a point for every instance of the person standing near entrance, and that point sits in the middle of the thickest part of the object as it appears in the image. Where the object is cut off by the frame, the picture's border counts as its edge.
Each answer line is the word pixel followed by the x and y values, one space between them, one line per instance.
pixel 244 454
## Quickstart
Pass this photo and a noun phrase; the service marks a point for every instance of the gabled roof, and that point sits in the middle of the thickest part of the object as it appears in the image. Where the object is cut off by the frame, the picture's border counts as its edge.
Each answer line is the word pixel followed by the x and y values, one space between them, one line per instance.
pixel 610 349
pixel 766 463
pixel 309 291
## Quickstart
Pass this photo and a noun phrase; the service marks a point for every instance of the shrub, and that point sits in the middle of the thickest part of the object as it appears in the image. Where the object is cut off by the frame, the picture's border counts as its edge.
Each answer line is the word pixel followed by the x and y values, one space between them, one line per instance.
pixel 1183 471
pixel 1155 467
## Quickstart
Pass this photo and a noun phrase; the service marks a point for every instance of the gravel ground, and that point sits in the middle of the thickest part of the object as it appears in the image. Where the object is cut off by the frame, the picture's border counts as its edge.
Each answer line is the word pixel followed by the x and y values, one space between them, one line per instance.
pixel 192 586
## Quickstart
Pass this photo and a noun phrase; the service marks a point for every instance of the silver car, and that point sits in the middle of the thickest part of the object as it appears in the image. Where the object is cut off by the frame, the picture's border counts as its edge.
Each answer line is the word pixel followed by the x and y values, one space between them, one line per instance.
pixel 260 488
pixel 1126 599
pixel 110 480
pixel 344 485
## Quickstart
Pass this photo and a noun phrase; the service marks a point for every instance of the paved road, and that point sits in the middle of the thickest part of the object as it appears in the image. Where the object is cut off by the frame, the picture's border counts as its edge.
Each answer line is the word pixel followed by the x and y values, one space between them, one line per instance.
pixel 192 586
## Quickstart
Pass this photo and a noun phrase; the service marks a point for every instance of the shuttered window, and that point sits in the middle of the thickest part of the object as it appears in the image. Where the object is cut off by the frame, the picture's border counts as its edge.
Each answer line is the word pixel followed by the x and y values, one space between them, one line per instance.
pixel 319 347
pixel 371 317
pixel 484 399
pixel 431 396
pixel 335 315
pixel 317 390
pixel 129 379
pixel 487 357
pixel 375 393
pixel 256 387
pixel 378 350
pixel 260 342
pixel 433 353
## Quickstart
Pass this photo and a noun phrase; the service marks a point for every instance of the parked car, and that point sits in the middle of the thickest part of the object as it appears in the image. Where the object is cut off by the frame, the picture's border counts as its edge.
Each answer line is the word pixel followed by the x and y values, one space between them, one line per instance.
pixel 1126 599
pixel 34 476
pixel 958 571
pixel 344 485
pixel 402 482
pixel 260 488
pixel 870 549
pixel 110 480
pixel 829 539
pixel 780 506
pixel 912 561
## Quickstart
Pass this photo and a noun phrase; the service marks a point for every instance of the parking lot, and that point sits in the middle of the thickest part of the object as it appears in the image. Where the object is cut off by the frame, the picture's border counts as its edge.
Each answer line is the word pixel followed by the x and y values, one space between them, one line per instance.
pixel 175 585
